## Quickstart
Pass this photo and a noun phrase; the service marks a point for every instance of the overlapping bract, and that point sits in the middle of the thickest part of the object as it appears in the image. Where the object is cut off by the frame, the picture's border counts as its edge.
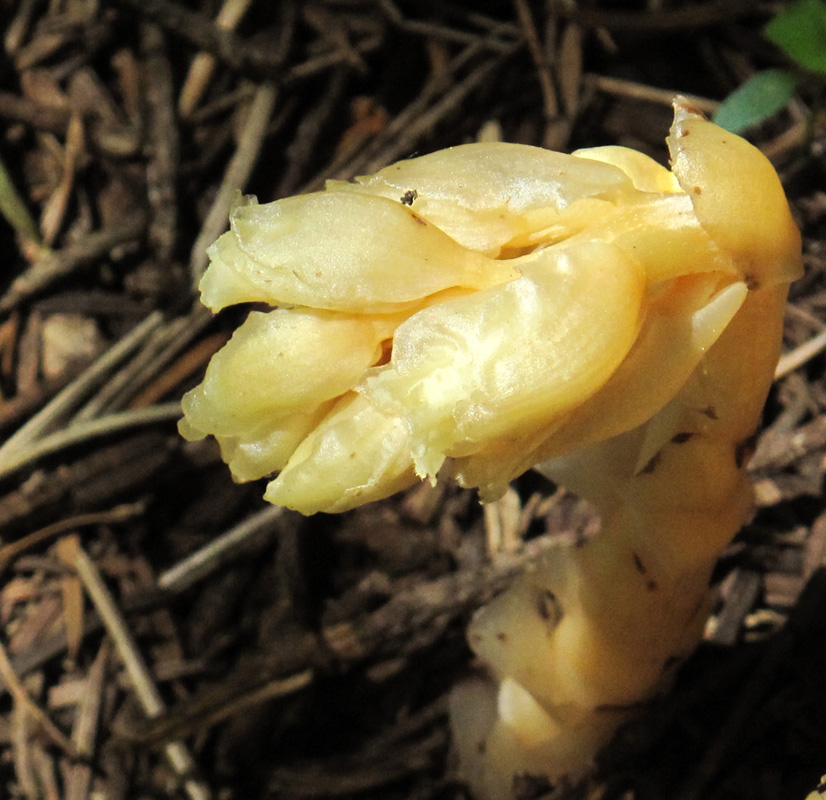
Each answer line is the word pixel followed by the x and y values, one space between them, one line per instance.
pixel 479 309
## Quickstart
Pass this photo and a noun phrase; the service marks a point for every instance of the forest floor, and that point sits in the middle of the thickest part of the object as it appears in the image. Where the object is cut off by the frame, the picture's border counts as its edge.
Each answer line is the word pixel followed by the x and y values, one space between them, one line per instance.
pixel 166 634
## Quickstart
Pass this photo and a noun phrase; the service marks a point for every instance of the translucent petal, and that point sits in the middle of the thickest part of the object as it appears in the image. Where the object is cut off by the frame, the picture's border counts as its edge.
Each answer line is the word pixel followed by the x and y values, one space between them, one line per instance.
pixel 283 361
pixel 662 232
pixel 734 385
pixel 486 195
pixel 354 456
pixel 507 360
pixel 675 335
pixel 645 173
pixel 738 198
pixel 339 251
pixel 252 457
pixel 667 352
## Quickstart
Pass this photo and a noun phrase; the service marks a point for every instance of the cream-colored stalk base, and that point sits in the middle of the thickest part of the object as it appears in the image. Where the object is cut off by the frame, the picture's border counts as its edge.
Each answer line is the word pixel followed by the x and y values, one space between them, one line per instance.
pixel 590 633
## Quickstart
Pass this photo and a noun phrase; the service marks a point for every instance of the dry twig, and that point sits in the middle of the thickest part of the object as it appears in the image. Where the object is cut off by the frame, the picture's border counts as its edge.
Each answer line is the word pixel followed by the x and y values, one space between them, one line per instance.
pixel 145 689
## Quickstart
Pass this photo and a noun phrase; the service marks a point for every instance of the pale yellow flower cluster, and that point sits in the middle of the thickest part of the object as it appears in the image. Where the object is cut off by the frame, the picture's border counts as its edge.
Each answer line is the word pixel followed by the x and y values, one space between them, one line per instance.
pixel 476 311
pixel 494 307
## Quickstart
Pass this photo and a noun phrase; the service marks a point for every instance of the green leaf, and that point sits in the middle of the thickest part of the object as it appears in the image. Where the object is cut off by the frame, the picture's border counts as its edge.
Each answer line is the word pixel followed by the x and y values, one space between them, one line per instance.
pixel 14 209
pixel 801 31
pixel 756 100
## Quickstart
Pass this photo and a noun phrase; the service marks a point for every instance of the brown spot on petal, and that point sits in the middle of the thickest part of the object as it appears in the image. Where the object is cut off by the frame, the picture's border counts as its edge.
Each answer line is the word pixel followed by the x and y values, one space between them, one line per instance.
pixel 671 662
pixel 651 465
pixel 548 607
pixel 650 584
pixel 744 450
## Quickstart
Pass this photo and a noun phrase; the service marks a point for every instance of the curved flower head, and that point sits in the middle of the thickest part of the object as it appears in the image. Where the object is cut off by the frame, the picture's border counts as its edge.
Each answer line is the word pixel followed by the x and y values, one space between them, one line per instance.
pixel 479 310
